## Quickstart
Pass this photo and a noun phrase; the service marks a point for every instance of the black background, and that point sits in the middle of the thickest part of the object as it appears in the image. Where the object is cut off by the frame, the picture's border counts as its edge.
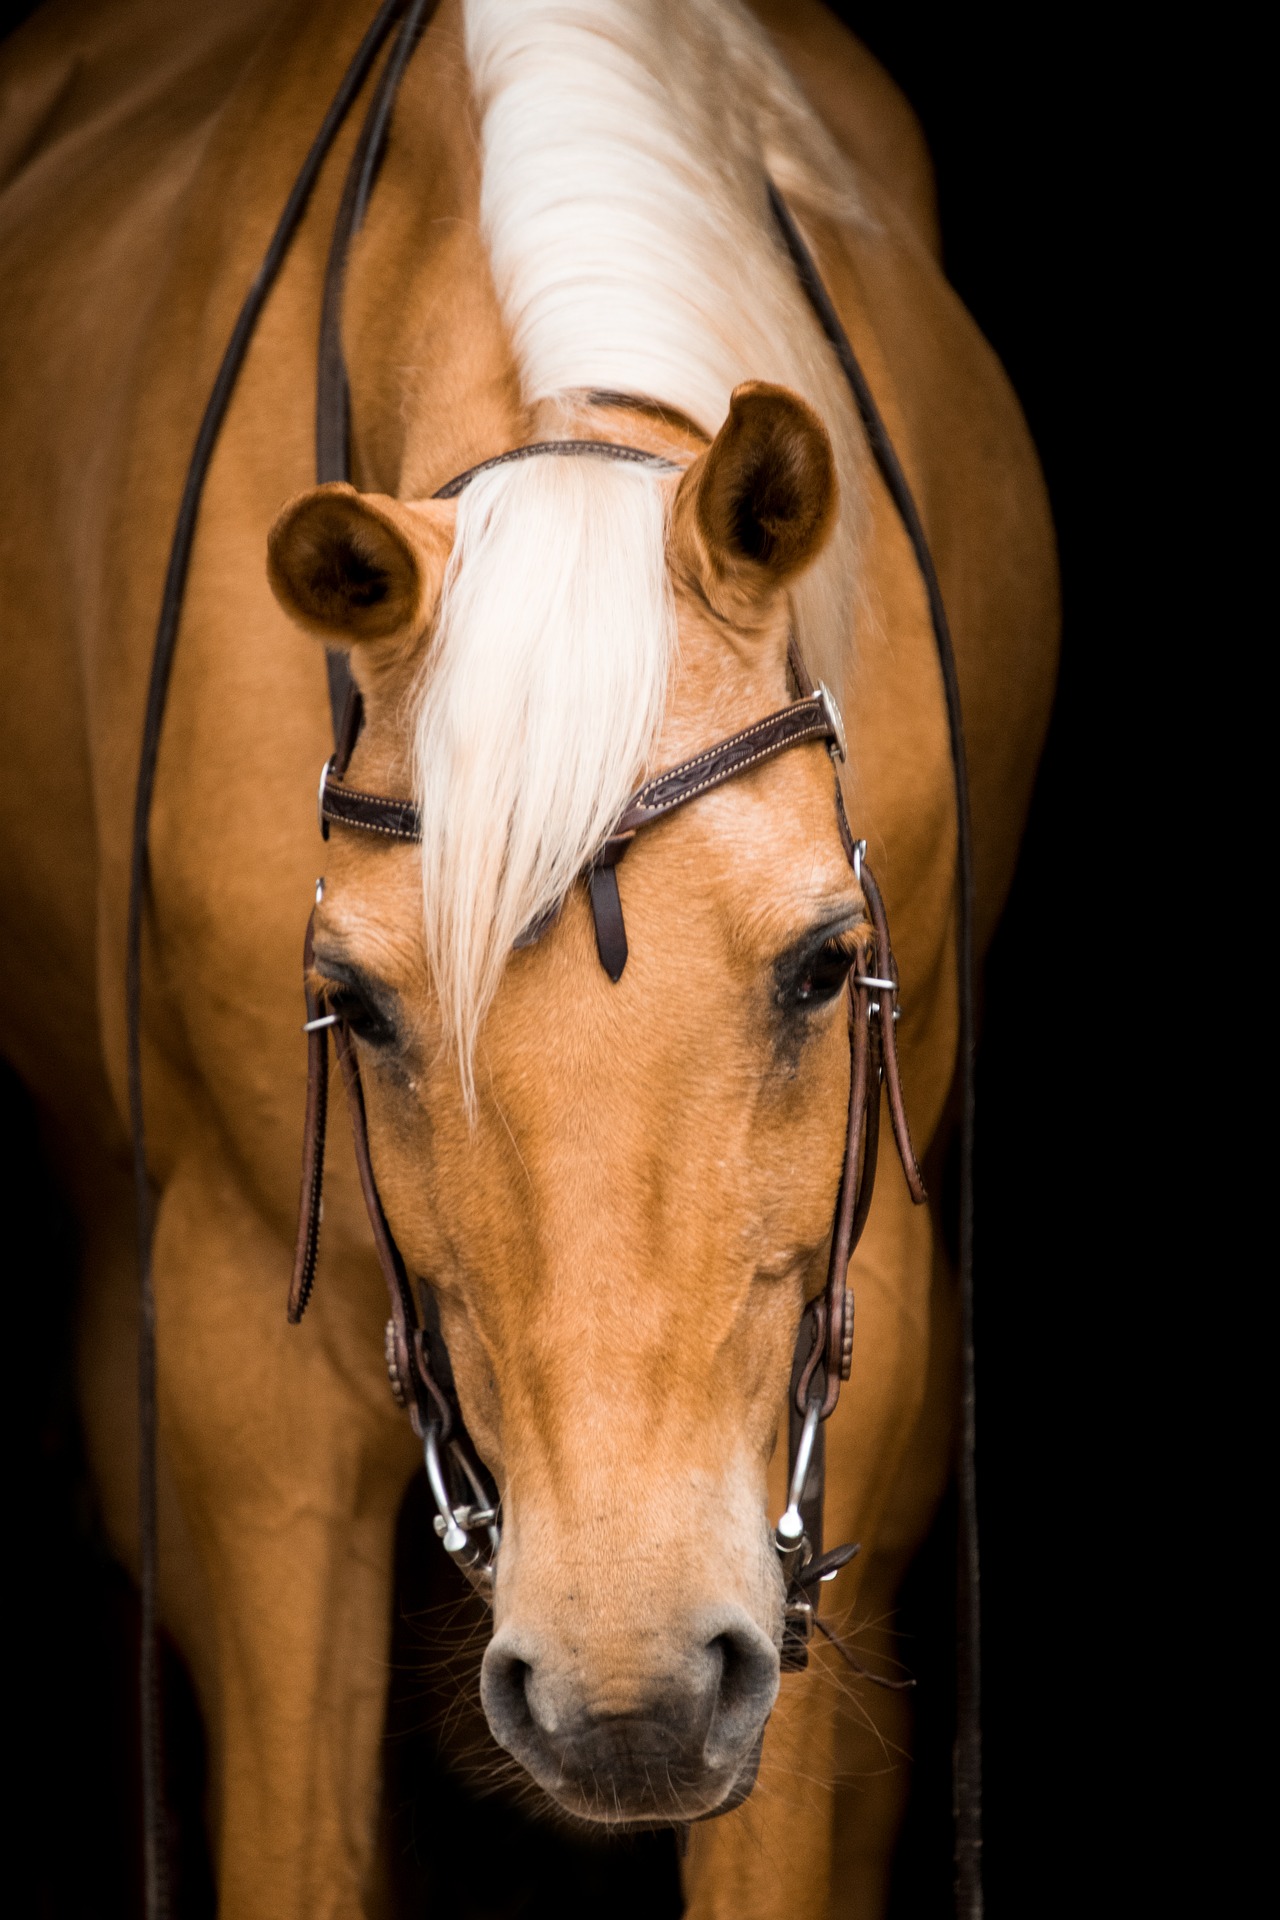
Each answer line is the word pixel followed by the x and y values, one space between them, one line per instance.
pixel 1047 150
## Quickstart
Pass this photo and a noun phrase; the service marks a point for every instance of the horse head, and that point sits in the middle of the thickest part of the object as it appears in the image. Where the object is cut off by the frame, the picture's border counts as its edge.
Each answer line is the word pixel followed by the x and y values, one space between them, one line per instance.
pixel 620 1192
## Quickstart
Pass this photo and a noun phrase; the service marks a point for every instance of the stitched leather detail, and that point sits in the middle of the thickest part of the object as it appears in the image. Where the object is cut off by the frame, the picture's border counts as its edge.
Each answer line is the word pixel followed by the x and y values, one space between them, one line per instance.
pixel 791 726
pixel 603 449
pixel 371 812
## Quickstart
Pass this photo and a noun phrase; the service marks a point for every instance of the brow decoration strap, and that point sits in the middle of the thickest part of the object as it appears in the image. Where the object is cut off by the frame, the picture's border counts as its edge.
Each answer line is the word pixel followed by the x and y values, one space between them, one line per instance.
pixel 815 717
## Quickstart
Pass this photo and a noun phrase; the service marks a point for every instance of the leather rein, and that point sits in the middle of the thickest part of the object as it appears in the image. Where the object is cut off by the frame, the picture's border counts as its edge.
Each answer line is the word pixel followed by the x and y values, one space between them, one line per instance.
pixel 468 1519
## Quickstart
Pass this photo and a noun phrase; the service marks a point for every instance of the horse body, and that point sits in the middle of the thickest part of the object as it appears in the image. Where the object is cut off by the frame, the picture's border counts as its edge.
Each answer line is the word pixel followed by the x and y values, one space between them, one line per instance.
pixel 619 1149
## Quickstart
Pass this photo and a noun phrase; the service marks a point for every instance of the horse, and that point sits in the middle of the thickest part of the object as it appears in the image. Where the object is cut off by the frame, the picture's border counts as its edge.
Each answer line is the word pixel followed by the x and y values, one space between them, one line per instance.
pixel 620 1190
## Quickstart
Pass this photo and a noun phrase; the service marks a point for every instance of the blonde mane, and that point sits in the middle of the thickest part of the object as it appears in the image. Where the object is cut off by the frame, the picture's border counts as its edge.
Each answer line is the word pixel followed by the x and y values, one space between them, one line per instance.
pixel 625 148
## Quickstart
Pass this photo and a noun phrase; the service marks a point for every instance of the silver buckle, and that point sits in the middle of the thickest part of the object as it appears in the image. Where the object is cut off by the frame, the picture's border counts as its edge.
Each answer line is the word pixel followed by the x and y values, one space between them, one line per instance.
pixel 325 771
pixel 826 700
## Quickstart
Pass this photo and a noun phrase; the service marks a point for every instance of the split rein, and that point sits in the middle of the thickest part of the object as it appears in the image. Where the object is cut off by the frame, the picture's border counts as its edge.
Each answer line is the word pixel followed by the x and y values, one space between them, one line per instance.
pixel 417 1360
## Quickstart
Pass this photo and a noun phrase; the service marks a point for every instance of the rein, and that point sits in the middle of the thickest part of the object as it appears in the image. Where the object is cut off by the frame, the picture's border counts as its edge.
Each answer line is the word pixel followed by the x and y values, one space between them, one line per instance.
pixel 417 1360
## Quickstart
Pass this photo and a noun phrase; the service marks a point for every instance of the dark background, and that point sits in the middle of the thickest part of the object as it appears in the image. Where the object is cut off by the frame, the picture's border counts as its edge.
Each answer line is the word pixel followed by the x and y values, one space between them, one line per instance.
pixel 1047 145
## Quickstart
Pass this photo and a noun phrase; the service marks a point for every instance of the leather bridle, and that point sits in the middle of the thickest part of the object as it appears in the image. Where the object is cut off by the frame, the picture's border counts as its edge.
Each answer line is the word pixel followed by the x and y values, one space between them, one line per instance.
pixel 417 1362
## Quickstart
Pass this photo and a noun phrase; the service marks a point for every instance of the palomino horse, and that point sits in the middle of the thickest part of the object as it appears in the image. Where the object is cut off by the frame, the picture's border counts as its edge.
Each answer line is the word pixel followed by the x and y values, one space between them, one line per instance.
pixel 622 1192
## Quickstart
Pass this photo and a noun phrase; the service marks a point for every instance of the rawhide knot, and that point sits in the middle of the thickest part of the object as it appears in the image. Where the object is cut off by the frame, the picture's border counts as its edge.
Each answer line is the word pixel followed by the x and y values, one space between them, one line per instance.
pixel 391 1349
pixel 846 1336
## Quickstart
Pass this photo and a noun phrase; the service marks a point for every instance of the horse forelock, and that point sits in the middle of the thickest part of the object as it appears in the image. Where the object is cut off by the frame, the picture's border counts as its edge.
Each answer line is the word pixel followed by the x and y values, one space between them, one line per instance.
pixel 538 705
pixel 625 146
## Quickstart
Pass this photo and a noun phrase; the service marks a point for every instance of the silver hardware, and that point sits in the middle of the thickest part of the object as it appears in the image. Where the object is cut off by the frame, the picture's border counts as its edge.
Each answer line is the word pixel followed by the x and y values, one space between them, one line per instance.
pixel 795 1552
pixel 482 1514
pixel 453 1538
pixel 319 889
pixel 324 1020
pixel 826 700
pixel 790 1529
pixel 859 855
pixel 468 1517
pixel 455 1525
pixel 870 980
pixel 325 771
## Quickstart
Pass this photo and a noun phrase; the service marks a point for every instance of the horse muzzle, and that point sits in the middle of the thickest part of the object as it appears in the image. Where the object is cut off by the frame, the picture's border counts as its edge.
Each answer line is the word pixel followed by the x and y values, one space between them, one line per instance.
pixel 636 1750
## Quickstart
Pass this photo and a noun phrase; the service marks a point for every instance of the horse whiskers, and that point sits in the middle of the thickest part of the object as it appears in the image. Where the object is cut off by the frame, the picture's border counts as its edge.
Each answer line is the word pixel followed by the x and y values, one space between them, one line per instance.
pixel 864 1673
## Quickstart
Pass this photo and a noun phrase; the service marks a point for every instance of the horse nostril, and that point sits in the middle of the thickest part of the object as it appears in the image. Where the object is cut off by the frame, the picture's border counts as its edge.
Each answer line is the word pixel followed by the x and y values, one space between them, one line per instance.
pixel 504 1691
pixel 747 1661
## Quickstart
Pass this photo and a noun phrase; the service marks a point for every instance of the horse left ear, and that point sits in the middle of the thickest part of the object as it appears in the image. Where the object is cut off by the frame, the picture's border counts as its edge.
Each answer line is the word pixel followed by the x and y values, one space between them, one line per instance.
pixel 757 507
pixel 354 567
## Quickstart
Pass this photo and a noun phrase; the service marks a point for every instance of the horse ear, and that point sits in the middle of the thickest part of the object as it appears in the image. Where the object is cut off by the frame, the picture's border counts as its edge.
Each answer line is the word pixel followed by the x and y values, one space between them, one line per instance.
pixel 355 566
pixel 757 507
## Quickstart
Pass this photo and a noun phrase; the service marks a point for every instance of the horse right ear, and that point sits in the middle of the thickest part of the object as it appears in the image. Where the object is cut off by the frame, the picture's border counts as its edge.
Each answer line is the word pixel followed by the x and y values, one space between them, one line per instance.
pixel 756 508
pixel 352 567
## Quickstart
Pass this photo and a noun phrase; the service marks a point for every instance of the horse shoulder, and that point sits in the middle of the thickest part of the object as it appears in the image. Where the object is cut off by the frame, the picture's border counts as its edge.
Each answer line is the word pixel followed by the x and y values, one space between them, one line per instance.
pixel 103 113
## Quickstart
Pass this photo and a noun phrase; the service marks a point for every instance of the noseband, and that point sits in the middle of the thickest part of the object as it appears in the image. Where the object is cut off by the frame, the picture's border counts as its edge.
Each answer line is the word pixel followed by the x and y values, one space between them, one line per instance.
pixel 467 1518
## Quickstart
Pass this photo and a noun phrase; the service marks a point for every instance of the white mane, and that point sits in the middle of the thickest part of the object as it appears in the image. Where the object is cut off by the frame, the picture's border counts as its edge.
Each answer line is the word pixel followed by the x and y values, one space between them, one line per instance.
pixel 625 145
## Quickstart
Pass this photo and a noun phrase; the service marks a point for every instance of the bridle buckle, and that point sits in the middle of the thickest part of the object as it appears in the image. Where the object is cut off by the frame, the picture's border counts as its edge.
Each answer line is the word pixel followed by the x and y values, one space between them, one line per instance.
pixel 838 745
pixel 325 771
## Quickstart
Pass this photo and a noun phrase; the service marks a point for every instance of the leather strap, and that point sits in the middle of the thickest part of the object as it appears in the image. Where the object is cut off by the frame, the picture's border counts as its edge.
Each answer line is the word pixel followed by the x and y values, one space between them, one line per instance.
pixel 314 1133
pixel 606 912
pixel 333 397
pixel 887 999
pixel 813 717
pixel 371 812
pixel 602 449
pixel 426 1400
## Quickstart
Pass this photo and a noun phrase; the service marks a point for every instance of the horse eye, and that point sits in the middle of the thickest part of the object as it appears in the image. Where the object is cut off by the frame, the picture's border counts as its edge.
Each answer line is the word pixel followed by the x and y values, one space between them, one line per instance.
pixel 363 1019
pixel 820 974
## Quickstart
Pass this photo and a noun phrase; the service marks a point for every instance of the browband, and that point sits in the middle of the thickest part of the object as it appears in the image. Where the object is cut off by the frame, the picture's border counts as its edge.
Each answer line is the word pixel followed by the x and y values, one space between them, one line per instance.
pixel 603 449
pixel 814 717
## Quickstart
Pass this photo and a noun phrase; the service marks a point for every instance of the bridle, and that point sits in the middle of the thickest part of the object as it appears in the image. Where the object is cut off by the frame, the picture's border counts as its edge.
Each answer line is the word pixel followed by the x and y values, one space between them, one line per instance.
pixel 467 1517
pixel 418 1367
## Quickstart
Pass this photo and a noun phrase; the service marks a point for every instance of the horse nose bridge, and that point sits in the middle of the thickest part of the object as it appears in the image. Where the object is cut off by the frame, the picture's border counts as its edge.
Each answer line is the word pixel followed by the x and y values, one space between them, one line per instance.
pixel 635 1175
pixel 624 1432
pixel 628 1524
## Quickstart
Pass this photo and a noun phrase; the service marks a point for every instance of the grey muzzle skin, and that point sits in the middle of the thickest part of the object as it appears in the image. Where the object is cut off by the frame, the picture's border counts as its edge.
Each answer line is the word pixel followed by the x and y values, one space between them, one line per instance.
pixel 692 1749
pixel 687 1749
